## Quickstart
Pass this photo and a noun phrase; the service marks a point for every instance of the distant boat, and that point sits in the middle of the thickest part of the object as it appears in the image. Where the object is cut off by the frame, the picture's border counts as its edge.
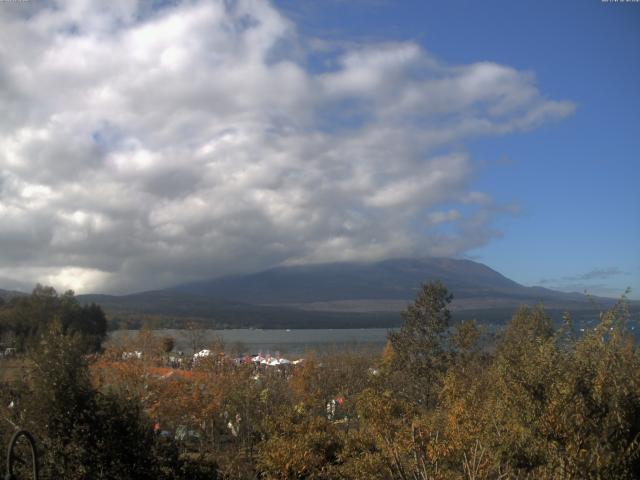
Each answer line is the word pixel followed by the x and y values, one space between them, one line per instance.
pixel 288 330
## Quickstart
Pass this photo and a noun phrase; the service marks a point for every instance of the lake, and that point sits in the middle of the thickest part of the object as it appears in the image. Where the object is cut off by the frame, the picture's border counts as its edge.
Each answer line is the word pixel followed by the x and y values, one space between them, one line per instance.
pixel 296 342
pixel 287 342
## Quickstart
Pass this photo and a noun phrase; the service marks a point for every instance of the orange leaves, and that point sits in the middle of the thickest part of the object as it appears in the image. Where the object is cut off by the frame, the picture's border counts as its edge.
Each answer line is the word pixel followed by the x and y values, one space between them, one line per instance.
pixel 170 395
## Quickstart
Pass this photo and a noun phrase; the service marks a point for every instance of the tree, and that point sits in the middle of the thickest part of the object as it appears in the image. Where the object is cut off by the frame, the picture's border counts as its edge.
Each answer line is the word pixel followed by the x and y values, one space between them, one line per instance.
pixel 84 433
pixel 195 335
pixel 419 344
pixel 168 344
pixel 28 317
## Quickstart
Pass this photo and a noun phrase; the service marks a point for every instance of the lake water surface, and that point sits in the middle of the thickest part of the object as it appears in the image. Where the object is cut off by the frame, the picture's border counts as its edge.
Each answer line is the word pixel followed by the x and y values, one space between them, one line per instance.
pixel 296 342
pixel 286 342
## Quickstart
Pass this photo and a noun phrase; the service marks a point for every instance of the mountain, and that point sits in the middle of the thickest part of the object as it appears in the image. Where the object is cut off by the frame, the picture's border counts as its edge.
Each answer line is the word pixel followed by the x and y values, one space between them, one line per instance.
pixel 170 309
pixel 342 295
pixel 379 283
pixel 8 294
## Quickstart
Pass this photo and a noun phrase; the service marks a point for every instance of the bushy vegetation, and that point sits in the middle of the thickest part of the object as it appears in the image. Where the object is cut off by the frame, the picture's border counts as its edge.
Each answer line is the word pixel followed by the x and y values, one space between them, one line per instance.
pixel 438 403
pixel 24 319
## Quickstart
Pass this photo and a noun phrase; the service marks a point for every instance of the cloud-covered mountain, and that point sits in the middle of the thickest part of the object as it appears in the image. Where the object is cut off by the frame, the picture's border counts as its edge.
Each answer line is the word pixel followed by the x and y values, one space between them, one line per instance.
pixel 396 279
pixel 344 294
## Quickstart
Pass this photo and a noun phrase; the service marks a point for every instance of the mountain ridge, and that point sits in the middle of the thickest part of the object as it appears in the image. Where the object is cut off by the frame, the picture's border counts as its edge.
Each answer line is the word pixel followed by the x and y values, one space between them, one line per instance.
pixel 8 294
pixel 340 294
pixel 398 279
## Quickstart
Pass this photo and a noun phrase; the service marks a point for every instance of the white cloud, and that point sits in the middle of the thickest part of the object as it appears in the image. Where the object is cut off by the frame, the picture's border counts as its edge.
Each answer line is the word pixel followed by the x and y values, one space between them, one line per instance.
pixel 142 147
pixel 435 218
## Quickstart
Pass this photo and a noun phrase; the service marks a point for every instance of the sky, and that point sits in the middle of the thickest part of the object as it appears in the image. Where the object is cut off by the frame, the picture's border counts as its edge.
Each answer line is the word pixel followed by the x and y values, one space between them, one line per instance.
pixel 145 144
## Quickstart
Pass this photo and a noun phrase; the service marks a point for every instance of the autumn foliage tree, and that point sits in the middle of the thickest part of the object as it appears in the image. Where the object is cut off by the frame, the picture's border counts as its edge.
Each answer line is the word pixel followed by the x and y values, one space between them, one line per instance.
pixel 441 401
pixel 83 433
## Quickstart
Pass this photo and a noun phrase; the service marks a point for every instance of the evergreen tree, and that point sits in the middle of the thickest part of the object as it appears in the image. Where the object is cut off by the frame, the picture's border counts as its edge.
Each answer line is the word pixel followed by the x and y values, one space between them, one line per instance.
pixel 419 345
pixel 84 433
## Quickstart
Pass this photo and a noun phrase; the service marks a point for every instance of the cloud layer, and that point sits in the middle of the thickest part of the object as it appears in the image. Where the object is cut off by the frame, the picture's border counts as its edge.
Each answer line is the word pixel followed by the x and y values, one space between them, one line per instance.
pixel 145 145
pixel 586 282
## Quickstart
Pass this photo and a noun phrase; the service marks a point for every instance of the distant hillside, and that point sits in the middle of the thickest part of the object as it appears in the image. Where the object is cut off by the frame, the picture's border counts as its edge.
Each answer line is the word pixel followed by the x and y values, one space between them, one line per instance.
pixel 167 308
pixel 7 294
pixel 342 295
pixel 395 281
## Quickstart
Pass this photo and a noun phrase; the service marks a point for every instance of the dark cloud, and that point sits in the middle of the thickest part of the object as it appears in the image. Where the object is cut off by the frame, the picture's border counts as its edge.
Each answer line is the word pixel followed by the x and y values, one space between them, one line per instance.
pixel 587 282
pixel 595 274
